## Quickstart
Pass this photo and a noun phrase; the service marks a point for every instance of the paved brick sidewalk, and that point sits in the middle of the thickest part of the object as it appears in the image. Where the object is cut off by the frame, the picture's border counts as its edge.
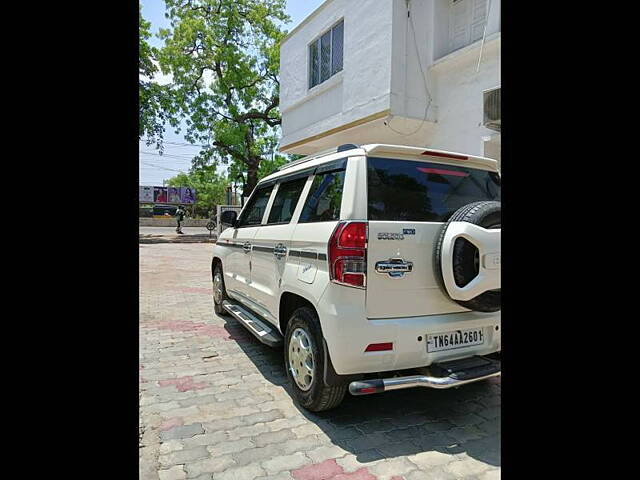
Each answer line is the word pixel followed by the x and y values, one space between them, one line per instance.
pixel 215 404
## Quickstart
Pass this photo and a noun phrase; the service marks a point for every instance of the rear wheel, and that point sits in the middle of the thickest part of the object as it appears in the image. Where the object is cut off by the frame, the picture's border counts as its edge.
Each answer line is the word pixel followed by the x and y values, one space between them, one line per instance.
pixel 219 291
pixel 304 361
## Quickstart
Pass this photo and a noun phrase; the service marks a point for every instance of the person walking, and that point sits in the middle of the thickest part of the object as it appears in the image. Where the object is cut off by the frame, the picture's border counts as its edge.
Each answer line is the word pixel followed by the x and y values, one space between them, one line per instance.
pixel 179 218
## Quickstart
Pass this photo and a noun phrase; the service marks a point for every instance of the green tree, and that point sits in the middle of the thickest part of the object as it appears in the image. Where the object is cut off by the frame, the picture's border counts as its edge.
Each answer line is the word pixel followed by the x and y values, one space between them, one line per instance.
pixel 210 187
pixel 223 56
pixel 155 101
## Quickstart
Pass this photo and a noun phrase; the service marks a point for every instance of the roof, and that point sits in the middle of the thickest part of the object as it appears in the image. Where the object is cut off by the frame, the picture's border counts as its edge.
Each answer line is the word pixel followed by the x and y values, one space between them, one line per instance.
pixel 441 156
pixel 305 21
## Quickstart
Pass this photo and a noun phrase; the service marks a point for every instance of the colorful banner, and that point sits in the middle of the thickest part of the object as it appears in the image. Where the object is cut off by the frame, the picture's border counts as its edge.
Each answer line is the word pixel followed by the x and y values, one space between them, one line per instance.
pixel 146 194
pixel 160 194
pixel 174 195
pixel 188 195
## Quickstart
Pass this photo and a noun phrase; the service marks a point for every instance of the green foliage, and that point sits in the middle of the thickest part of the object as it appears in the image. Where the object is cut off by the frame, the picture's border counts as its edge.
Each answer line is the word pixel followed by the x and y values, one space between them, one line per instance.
pixel 145 51
pixel 210 187
pixel 268 165
pixel 223 56
pixel 155 100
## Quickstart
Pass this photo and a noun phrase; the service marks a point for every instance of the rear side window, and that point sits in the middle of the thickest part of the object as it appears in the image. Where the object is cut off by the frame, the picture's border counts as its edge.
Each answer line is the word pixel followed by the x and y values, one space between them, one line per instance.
pixel 324 199
pixel 421 191
pixel 254 211
pixel 286 200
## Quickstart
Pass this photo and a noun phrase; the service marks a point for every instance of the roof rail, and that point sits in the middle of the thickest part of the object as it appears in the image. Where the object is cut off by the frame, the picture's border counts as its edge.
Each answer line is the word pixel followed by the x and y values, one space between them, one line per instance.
pixel 329 151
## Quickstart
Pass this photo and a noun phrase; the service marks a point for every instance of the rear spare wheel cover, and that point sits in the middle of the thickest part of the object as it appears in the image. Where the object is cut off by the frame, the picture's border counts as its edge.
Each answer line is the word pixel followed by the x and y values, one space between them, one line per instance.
pixel 467 256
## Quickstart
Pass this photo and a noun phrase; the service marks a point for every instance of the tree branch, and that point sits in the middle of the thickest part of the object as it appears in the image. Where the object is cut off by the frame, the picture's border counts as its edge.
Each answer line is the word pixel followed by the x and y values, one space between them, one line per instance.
pixel 229 151
pixel 256 115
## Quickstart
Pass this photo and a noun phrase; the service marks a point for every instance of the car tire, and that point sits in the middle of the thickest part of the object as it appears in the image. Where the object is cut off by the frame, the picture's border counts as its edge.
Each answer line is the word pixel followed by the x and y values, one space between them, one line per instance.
pixel 303 347
pixel 219 290
pixel 485 214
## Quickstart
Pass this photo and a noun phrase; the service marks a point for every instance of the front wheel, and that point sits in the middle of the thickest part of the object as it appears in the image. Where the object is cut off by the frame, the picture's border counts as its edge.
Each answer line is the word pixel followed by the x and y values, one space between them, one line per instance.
pixel 219 291
pixel 304 361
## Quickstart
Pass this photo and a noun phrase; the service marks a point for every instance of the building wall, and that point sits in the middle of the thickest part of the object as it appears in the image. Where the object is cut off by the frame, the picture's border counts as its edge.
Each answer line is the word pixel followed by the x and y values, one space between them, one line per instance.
pixel 452 82
pixel 459 87
pixel 441 13
pixel 385 68
pixel 363 86
pixel 412 56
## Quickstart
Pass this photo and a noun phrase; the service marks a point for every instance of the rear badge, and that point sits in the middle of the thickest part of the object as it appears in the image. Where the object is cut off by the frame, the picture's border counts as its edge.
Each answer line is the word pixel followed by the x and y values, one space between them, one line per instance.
pixel 390 236
pixel 408 231
pixel 394 267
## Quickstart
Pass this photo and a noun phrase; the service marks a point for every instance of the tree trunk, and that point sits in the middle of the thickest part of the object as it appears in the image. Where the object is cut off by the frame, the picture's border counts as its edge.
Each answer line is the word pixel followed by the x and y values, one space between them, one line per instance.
pixel 252 178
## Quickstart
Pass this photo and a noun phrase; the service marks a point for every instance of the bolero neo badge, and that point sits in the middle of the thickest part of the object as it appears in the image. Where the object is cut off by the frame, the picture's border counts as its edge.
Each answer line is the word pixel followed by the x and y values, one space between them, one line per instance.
pixel 390 236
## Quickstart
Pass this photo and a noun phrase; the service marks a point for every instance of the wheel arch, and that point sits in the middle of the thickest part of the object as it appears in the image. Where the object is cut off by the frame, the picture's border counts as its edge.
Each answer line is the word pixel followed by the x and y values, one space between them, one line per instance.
pixel 214 262
pixel 289 302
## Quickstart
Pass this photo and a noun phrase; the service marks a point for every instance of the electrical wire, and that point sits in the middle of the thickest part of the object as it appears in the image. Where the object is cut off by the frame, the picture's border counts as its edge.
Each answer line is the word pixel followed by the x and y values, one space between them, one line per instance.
pixel 168 155
pixel 424 78
pixel 161 167
pixel 484 35
pixel 187 144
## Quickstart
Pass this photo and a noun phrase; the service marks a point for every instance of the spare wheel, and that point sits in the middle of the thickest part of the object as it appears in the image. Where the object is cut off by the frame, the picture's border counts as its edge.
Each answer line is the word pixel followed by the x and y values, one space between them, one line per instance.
pixel 467 256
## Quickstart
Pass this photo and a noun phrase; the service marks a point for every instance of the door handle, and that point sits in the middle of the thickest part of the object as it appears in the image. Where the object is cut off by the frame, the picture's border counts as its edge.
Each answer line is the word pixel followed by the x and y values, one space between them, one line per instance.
pixel 246 247
pixel 394 267
pixel 279 250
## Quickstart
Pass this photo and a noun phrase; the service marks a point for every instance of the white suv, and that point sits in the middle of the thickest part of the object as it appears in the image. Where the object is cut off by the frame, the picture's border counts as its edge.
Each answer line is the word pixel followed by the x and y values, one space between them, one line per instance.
pixel 376 267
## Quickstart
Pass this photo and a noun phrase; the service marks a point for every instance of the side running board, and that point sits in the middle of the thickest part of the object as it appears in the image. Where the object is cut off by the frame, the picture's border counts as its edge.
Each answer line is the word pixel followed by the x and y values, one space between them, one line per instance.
pixel 259 328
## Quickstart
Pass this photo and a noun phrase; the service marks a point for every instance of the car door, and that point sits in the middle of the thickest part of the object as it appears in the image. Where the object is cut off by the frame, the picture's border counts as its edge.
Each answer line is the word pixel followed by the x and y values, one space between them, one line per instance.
pixel 237 271
pixel 270 246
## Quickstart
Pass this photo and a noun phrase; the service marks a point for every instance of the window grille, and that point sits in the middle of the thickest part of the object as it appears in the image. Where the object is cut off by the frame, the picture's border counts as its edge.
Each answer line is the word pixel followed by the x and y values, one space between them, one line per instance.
pixel 326 55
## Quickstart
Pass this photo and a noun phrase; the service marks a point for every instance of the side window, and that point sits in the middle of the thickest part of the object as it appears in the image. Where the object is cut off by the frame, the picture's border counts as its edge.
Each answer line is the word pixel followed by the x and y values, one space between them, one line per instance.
pixel 286 201
pixel 254 211
pixel 325 198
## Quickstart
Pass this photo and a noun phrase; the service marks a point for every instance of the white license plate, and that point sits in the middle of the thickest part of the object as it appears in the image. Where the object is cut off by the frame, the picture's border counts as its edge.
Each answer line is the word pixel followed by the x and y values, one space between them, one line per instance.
pixel 456 339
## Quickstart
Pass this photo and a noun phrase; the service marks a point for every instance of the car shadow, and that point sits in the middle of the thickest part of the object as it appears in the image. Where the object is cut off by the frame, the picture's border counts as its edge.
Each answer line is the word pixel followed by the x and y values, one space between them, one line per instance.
pixel 396 423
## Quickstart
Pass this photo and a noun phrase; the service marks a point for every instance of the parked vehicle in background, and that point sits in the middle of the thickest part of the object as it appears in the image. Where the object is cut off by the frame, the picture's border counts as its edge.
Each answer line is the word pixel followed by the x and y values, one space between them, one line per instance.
pixel 164 211
pixel 376 267
pixel 145 211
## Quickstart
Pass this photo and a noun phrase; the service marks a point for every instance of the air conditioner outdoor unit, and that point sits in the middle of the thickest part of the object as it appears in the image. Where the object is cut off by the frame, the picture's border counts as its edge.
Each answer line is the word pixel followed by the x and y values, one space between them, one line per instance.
pixel 492 109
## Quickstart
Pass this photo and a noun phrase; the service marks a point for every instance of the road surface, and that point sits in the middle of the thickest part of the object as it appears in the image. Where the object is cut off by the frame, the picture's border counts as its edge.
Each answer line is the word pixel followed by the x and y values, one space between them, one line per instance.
pixel 215 402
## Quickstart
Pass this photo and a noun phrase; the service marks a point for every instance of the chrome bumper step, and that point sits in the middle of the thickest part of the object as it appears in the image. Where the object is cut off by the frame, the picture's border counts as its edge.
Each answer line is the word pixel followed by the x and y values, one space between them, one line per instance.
pixel 259 328
pixel 450 374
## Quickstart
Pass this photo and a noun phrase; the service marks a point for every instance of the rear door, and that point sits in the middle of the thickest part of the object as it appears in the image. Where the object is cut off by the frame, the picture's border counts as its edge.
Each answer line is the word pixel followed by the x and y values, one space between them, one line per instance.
pixel 408 201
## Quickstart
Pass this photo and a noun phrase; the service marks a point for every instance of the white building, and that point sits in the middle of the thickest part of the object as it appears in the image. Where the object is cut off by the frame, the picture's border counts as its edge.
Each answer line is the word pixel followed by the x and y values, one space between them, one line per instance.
pixel 413 72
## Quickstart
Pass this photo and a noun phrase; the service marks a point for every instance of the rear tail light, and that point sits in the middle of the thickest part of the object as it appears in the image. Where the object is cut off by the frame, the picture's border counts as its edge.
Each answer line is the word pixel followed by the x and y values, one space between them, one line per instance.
pixel 348 254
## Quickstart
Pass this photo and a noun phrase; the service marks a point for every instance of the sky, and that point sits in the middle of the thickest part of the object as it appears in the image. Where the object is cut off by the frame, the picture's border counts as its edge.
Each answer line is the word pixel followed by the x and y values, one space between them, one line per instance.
pixel 177 156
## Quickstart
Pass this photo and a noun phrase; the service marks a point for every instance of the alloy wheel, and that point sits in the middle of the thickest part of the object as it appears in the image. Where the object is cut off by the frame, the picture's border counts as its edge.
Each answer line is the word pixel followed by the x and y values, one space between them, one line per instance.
pixel 301 364
pixel 217 288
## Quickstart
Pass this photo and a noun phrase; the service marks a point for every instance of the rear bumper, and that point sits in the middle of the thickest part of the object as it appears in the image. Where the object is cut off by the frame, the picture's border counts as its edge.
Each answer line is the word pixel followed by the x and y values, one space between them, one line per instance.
pixel 463 375
pixel 348 336
pixel 366 387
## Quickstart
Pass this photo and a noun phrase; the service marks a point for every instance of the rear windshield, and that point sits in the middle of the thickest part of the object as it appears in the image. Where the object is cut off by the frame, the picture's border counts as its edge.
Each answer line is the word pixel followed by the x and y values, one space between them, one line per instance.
pixel 422 191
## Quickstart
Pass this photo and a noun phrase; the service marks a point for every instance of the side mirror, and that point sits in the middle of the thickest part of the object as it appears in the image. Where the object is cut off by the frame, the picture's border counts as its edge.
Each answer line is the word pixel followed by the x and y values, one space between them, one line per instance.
pixel 229 217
